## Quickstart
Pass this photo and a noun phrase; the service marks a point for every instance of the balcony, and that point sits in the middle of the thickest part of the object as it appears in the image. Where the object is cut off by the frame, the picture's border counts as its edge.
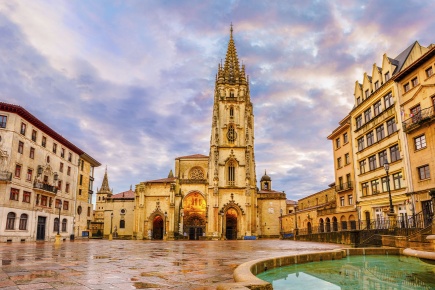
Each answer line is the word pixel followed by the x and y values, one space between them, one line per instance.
pixel 345 186
pixel 5 176
pixel 425 115
pixel 45 187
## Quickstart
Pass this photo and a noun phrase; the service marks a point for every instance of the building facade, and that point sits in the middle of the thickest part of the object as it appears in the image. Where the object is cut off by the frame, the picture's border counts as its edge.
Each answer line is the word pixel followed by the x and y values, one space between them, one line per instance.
pixel 38 178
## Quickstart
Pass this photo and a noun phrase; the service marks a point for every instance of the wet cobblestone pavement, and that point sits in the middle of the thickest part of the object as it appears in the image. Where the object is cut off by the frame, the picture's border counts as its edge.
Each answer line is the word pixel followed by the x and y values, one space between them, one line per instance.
pixel 119 264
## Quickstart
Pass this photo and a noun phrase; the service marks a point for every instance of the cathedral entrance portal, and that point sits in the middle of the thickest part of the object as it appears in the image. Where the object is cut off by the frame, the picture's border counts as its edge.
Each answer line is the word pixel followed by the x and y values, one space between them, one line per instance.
pixel 158 228
pixel 231 224
pixel 194 219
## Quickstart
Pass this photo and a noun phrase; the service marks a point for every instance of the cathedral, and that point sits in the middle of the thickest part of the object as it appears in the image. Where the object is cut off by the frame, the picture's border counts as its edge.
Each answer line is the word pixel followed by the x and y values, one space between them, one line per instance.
pixel 205 197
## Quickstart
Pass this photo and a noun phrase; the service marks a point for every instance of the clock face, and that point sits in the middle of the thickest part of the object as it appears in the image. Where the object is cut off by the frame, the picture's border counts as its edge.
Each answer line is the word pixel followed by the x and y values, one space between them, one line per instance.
pixel 231 134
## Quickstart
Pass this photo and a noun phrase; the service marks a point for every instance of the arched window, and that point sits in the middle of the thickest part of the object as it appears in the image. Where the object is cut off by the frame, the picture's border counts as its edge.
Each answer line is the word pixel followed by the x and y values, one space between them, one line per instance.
pixel 23 222
pixel 10 222
pixel 231 172
pixel 231 134
pixel 231 94
pixel 232 112
pixel 122 224
pixel 64 221
pixel 56 225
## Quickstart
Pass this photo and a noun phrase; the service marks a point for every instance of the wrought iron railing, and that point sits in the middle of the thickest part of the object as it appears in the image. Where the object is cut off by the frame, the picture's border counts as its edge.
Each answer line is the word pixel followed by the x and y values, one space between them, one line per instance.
pixel 418 118
pixel 46 187
pixel 344 186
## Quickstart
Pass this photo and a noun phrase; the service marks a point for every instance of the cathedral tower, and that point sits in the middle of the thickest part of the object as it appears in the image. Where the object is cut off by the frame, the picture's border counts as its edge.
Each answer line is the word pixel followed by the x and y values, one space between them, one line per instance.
pixel 231 168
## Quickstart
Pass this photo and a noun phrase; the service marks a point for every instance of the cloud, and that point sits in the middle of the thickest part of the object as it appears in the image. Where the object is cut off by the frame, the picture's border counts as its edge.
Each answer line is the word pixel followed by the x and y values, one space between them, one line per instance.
pixel 132 83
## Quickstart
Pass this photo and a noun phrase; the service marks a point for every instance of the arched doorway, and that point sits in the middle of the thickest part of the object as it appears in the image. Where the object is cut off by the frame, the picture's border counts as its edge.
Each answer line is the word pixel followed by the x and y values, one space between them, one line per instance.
pixel 328 225
pixel 231 224
pixel 194 219
pixel 343 223
pixel 158 228
pixel 309 228
pixel 321 226
pixel 352 222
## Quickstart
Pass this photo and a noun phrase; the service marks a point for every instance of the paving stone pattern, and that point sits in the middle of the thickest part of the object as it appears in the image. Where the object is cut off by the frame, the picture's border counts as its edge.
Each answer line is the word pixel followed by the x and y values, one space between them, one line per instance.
pixel 119 264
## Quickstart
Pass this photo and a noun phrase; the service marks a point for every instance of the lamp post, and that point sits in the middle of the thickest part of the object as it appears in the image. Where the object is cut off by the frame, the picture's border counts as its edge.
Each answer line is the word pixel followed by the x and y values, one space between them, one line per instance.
pixel 391 214
pixel 222 219
pixel 111 224
pixel 296 221
pixel 164 229
pixel 387 168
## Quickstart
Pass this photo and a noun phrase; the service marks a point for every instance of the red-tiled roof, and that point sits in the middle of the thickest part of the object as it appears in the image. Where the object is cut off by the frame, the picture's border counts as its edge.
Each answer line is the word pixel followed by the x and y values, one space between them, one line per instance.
pixel 192 156
pixel 163 180
pixel 123 195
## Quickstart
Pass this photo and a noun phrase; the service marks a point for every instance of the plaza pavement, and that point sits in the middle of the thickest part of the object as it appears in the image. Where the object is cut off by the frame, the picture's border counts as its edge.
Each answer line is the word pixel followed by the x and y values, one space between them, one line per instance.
pixel 121 264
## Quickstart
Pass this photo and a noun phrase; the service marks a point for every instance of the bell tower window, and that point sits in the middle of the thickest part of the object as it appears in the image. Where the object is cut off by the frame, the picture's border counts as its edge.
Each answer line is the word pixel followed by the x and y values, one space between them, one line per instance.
pixel 231 94
pixel 232 112
pixel 231 172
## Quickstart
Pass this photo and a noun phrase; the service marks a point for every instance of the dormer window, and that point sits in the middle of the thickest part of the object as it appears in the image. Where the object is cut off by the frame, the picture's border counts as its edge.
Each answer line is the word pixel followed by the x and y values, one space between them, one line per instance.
pixel 358 100
pixel 367 93
pixel 387 76
pixel 376 85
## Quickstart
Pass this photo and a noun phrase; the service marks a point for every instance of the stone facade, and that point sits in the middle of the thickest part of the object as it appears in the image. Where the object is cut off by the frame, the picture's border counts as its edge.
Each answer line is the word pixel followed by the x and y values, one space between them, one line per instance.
pixel 38 178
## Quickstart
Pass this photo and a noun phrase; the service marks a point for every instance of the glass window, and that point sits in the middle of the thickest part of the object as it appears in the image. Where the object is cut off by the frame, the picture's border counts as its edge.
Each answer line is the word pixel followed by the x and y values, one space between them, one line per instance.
pixel 347 158
pixel 23 222
pixel 375 185
pixel 14 194
pixel 382 158
pixel 231 173
pixel 54 147
pixel 345 138
pixel 376 85
pixel 365 189
pixel 66 205
pixel 122 224
pixel 62 152
pixel 406 87
pixel 391 126
pixel 358 100
pixel 350 199
pixel 61 167
pixel 33 135
pixel 372 162
pixel 423 172
pixel 20 147
pixel 366 93
pixel 64 221
pixel 420 142
pixel 29 174
pixel 44 141
pixel 370 138
pixel 384 181
pixel 70 157
pixel 342 201
pixel 358 121
pixel 414 82
pixel 26 196
pixel 388 100
pixel 397 180
pixel 367 115
pixel 59 185
pixel 380 133
pixel 362 166
pixel 231 112
pixel 231 134
pixel 387 76
pixel 394 153
pixel 337 143
pixel 56 225
pixel 377 108
pixel 44 200
pixel 429 72
pixel 339 162
pixel 10 222
pixel 23 129
pixel 360 143
pixel 67 187
pixel 3 121
pixel 18 171
pixel 32 153
pixel 68 171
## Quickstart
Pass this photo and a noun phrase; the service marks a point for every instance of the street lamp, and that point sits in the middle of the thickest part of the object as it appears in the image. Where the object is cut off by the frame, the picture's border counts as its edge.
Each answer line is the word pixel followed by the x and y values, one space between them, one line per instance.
pixel 387 167
pixel 296 220
pixel 111 224
pixel 58 225
pixel 280 223
pixel 166 217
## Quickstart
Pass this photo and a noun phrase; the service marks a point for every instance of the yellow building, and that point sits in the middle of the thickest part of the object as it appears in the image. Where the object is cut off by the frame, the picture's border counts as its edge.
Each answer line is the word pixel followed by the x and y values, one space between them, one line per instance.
pixel 345 211
pixel 416 86
pixel 83 203
pixel 377 139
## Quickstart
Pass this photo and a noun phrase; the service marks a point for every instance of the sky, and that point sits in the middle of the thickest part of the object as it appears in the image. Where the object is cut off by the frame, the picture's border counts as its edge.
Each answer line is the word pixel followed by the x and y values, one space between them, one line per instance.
pixel 132 82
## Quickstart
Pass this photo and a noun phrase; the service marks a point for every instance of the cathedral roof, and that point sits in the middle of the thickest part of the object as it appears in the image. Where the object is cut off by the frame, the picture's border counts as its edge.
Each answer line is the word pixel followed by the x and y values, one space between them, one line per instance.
pixel 163 180
pixel 192 156
pixel 129 194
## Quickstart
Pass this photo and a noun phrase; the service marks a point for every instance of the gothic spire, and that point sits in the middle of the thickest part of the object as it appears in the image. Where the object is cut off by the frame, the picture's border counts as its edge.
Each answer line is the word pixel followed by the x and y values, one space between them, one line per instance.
pixel 231 71
pixel 105 185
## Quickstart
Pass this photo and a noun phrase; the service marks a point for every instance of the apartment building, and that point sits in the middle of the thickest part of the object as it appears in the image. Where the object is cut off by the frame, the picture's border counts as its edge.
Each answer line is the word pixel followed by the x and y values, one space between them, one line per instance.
pixel 38 178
